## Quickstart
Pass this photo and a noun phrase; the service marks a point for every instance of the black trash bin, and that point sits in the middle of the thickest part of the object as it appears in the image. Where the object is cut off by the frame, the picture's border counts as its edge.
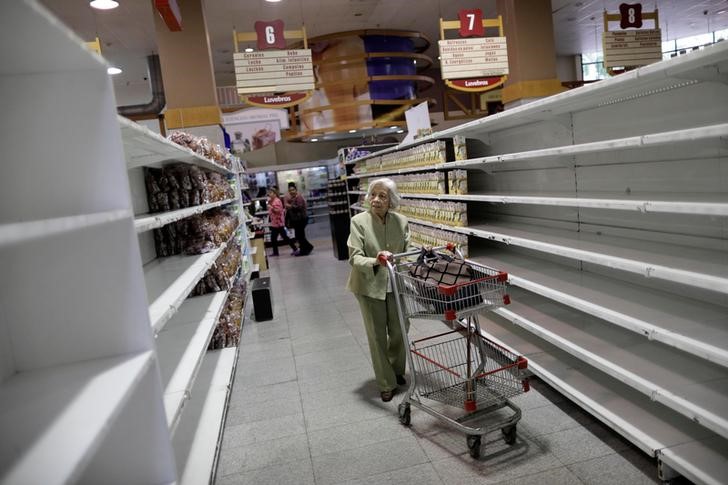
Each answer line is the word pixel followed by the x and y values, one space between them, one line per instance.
pixel 262 299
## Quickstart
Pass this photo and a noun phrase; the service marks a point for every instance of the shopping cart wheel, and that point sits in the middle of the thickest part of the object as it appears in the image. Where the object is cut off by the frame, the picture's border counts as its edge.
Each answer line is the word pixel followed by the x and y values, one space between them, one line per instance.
pixel 509 434
pixel 405 414
pixel 474 446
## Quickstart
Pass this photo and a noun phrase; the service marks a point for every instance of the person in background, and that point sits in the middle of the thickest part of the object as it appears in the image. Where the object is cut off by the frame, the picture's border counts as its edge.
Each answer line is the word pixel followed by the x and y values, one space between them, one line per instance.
pixel 276 218
pixel 297 217
pixel 376 233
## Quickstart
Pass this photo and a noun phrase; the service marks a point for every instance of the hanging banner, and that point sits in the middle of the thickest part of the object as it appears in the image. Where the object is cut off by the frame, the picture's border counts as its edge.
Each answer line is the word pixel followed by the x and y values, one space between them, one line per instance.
pixel 475 64
pixel 631 48
pixel 273 77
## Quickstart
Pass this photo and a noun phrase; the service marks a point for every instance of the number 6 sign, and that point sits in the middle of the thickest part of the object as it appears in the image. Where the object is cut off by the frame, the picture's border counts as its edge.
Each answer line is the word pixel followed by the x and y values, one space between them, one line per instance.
pixel 270 34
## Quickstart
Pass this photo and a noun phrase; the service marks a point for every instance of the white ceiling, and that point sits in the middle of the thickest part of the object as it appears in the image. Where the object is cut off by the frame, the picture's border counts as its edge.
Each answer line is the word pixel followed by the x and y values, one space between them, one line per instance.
pixel 127 33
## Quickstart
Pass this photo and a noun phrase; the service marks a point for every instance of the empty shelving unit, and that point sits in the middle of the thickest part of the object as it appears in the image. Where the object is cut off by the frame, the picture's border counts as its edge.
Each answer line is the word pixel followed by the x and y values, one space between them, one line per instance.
pixel 608 207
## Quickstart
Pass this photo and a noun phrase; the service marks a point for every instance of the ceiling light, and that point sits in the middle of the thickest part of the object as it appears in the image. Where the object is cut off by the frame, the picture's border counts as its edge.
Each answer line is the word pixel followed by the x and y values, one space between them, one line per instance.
pixel 352 131
pixel 393 127
pixel 113 71
pixel 314 139
pixel 248 49
pixel 400 131
pixel 104 4
pixel 272 1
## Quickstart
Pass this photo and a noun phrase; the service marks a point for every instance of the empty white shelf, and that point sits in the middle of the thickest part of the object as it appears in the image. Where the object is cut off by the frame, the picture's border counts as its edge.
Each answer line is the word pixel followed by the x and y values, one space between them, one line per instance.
pixel 199 431
pixel 707 269
pixel 144 148
pixel 702 135
pixel 20 232
pixel 699 66
pixel 40 412
pixel 170 280
pixel 699 204
pixel 394 171
pixel 692 326
pixel 684 383
pixel 651 426
pixel 147 222
pixel 181 347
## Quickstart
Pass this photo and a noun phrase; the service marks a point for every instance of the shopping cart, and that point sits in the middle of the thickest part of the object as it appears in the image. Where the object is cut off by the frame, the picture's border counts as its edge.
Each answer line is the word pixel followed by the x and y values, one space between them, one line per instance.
pixel 460 367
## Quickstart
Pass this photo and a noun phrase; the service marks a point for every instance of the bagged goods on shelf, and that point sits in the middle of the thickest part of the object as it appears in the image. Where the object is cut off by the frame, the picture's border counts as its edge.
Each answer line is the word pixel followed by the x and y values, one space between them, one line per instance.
pixel 197 234
pixel 227 331
pixel 458 182
pixel 461 152
pixel 450 213
pixel 221 275
pixel 430 236
pixel 180 185
pixel 202 147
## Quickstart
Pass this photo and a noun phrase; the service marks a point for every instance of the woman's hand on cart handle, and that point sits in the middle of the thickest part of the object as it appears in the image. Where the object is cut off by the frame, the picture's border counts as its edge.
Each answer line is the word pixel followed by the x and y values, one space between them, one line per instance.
pixel 383 257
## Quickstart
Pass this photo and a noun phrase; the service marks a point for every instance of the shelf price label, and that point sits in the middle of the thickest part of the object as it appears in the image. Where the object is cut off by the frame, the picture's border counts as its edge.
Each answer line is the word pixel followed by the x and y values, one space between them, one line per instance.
pixel 475 64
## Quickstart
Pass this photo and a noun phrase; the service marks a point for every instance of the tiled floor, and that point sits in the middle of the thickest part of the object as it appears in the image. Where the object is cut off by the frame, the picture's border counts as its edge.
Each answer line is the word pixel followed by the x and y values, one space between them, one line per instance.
pixel 305 409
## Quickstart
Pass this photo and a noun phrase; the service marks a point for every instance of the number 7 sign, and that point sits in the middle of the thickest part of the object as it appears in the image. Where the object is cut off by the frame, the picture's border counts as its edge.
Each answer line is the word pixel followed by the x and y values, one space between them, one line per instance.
pixel 471 23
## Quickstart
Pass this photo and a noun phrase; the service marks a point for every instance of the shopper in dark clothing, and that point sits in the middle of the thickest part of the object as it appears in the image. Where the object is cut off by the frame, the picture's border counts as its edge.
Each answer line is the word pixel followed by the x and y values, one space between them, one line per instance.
pixel 297 218
pixel 276 218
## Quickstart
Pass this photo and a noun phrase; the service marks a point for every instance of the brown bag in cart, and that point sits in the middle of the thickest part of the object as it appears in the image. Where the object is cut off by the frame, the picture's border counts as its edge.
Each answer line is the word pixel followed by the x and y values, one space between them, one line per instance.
pixel 440 271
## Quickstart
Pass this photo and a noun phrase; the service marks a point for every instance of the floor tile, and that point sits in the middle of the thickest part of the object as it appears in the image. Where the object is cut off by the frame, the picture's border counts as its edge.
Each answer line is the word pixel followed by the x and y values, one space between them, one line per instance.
pixel 560 476
pixel 292 473
pixel 368 460
pixel 355 435
pixel 574 445
pixel 251 457
pixel 612 469
pixel 264 430
pixel 263 411
pixel 423 474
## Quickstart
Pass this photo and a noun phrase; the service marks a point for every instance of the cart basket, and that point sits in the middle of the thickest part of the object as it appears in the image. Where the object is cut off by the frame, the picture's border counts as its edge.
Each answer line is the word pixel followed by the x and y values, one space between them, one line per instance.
pixel 424 299
pixel 444 373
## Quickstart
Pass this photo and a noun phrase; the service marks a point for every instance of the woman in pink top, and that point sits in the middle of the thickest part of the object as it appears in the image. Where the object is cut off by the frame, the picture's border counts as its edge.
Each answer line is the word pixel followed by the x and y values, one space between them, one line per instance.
pixel 276 216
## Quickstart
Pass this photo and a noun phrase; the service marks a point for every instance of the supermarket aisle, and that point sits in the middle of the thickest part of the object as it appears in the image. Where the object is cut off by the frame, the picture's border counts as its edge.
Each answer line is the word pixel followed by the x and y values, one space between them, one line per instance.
pixel 305 409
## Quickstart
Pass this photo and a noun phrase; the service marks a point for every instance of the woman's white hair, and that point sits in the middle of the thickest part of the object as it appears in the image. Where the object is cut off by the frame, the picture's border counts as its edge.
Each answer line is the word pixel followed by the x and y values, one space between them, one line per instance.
pixel 391 187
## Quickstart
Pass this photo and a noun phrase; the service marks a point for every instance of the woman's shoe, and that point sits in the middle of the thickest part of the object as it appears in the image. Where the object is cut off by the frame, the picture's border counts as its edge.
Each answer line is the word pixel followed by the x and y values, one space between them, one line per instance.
pixel 296 252
pixel 401 381
pixel 387 395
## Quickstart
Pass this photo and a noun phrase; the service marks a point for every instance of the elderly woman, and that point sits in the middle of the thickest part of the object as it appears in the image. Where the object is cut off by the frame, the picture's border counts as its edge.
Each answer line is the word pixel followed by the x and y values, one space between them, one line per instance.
pixel 374 233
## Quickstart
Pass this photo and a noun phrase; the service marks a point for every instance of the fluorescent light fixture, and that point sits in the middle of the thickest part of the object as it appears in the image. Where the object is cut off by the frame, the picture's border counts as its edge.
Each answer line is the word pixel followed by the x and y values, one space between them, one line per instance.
pixel 272 1
pixel 314 139
pixel 248 49
pixel 352 131
pixel 113 71
pixel 393 127
pixel 400 131
pixel 104 4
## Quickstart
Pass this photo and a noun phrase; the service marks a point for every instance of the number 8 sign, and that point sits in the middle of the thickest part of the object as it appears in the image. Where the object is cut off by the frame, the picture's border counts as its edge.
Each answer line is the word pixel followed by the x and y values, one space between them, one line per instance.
pixel 631 14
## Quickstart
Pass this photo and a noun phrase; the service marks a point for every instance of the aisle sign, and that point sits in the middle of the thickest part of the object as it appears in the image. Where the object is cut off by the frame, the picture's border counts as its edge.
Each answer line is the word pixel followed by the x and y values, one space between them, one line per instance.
pixel 631 48
pixel 478 57
pixel 475 64
pixel 273 78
